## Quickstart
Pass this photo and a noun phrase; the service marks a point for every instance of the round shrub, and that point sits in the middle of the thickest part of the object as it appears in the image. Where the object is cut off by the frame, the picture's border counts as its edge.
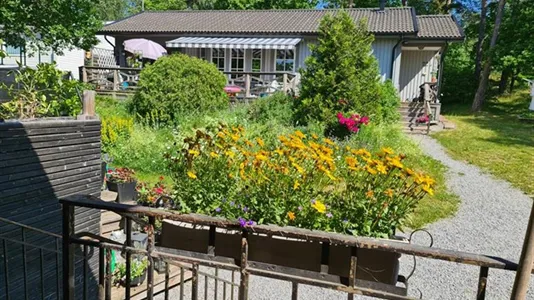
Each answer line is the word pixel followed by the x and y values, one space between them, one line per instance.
pixel 179 84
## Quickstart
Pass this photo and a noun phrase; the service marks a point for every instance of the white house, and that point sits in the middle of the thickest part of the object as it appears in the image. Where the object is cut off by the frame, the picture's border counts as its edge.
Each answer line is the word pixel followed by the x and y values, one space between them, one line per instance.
pixel 69 61
pixel 409 48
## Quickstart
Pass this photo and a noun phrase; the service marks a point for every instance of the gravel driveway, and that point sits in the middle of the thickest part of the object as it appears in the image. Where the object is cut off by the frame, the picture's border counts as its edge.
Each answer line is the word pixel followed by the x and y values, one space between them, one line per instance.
pixel 491 219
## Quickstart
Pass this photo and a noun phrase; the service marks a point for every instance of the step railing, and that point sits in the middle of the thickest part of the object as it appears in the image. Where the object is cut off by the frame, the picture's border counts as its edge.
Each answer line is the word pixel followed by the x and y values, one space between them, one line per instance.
pixel 243 265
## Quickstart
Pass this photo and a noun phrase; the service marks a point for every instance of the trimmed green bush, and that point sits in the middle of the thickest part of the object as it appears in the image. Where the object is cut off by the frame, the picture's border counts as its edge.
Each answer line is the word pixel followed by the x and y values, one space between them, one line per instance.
pixel 179 84
pixel 276 107
pixel 341 75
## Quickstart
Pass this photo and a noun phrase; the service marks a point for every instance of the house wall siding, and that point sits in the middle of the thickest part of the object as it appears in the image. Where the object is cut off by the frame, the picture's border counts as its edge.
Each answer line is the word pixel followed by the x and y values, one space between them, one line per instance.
pixel 416 68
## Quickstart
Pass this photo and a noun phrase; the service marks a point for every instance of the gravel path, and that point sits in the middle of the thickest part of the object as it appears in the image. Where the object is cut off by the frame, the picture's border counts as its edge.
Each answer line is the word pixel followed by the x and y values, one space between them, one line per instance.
pixel 491 219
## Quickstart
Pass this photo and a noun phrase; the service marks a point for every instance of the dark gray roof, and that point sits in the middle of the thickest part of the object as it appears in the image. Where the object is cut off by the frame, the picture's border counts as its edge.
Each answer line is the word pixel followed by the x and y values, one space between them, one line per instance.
pixel 438 26
pixel 391 21
pixel 292 21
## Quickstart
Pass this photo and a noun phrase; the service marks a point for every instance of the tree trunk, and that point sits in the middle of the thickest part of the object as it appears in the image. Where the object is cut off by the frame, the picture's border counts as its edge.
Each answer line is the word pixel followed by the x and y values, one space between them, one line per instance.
pixel 480 42
pixel 505 75
pixel 512 83
pixel 484 78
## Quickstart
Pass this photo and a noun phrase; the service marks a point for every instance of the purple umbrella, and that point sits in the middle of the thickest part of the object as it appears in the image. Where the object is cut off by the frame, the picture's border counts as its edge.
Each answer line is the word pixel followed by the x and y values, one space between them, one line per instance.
pixel 147 48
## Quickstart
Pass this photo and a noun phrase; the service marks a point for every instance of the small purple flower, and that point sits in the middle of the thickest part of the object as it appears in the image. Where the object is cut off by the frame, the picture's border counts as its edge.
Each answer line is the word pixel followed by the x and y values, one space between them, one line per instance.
pixel 250 223
pixel 218 209
pixel 242 222
pixel 245 209
pixel 232 203
pixel 329 215
pixel 300 208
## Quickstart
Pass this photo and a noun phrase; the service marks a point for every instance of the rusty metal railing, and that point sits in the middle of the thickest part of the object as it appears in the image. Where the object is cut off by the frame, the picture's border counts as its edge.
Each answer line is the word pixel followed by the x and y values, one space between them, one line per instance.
pixel 243 265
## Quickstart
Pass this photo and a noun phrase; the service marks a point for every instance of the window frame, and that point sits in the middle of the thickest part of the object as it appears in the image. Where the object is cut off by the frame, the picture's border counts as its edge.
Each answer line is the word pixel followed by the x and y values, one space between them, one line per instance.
pixel 216 58
pixel 285 60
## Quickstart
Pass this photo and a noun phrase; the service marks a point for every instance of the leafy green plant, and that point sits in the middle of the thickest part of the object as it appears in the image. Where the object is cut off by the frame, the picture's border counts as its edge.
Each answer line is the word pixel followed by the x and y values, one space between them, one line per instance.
pixel 43 91
pixel 179 84
pixel 341 75
pixel 113 129
pixel 137 269
pixel 300 180
pixel 277 107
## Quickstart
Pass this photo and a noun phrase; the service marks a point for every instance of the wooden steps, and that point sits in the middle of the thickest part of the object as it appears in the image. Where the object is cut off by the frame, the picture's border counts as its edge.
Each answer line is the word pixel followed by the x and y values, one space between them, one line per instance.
pixel 410 112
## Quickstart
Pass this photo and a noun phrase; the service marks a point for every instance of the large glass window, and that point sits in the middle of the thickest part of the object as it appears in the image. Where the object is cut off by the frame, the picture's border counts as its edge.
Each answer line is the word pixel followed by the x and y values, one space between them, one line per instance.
pixel 238 61
pixel 285 60
pixel 256 60
pixel 217 57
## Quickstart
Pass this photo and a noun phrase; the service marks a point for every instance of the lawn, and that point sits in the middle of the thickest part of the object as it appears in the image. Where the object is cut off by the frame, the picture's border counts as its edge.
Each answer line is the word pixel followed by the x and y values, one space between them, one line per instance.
pixel 143 149
pixel 495 139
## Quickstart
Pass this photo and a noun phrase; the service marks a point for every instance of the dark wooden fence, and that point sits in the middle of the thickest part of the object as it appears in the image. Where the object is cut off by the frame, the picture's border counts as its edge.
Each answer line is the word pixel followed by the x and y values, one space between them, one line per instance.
pixel 40 162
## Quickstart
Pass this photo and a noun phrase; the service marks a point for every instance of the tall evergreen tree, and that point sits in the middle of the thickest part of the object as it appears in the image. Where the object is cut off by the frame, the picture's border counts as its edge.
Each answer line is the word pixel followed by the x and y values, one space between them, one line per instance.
pixel 341 75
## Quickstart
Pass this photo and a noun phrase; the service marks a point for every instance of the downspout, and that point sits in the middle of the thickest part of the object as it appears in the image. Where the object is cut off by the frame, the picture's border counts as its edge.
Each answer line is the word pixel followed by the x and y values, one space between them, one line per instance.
pixel 401 39
pixel 440 74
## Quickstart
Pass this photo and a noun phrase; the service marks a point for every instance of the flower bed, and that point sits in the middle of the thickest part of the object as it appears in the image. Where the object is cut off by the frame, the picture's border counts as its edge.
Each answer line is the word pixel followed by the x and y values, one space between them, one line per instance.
pixel 302 180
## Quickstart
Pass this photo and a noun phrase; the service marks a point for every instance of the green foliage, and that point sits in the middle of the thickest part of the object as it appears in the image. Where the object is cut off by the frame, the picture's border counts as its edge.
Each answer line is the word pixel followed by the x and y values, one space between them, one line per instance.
pixel 113 129
pixel 458 79
pixel 341 74
pixel 179 84
pixel 137 269
pixel 275 108
pixel 41 92
pixel 387 104
pixel 299 180
pixel 59 24
pixel 109 107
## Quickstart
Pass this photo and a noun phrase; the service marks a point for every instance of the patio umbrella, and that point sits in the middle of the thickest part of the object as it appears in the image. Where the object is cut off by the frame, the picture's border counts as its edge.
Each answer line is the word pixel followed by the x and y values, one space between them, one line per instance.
pixel 232 89
pixel 147 48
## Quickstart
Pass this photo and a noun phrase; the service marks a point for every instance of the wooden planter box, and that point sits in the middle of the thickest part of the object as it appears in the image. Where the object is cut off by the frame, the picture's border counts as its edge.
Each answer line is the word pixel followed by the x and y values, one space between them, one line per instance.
pixel 373 265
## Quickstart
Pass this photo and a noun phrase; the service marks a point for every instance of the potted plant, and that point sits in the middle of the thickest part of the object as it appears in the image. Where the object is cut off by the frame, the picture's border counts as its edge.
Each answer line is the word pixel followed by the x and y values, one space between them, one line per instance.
pixel 121 180
pixel 154 196
pixel 137 272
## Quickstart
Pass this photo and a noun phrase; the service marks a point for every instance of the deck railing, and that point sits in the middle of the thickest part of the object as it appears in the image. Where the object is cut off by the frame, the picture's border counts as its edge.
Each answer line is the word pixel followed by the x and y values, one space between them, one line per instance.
pixel 244 266
pixel 118 80
pixel 258 84
pixel 111 80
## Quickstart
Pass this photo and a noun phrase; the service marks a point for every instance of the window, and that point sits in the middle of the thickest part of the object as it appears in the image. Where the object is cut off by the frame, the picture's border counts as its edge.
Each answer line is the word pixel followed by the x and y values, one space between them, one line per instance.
pixel 203 53
pixel 285 60
pixel 238 61
pixel 217 57
pixel 256 60
pixel 11 51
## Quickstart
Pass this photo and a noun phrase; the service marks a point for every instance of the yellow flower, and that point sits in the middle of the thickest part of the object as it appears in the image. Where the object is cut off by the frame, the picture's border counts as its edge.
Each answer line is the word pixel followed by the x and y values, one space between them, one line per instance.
pixel 314 136
pixel 409 171
pixel 361 152
pixel 213 154
pixel 428 190
pixel 329 141
pixel 194 152
pixel 191 175
pixel 299 168
pixel 300 134
pixel 230 154
pixel 235 137
pixel 296 184
pixel 279 151
pixel 332 177
pixel 351 161
pixel 291 216
pixel 370 170
pixel 387 150
pixel 261 157
pixel 389 193
pixel 395 162
pixel 369 194
pixel 220 134
pixel 248 143
pixel 319 206
pixel 381 168
pixel 260 142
